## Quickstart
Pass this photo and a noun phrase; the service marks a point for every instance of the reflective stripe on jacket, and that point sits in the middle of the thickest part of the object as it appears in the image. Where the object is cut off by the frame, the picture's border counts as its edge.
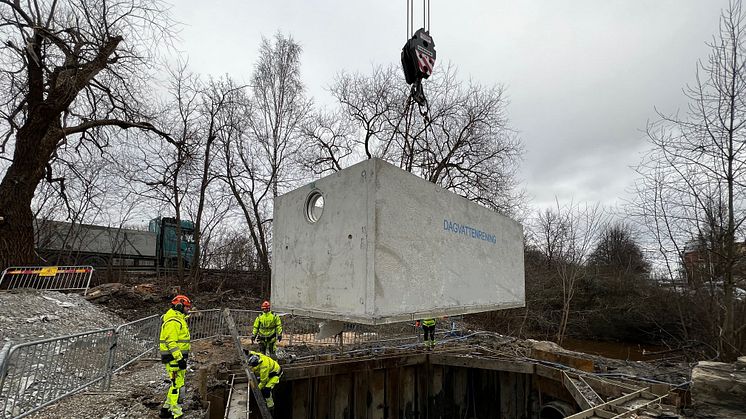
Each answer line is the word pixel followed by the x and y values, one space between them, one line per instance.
pixel 266 369
pixel 428 322
pixel 267 324
pixel 175 339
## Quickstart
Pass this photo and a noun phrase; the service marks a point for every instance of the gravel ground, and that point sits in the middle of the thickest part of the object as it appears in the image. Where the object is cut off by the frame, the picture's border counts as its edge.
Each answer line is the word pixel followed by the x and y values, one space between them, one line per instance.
pixel 29 315
pixel 136 393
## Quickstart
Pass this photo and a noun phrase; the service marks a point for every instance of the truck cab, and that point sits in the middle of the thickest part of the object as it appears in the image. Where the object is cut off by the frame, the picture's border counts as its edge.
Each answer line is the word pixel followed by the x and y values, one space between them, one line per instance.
pixel 166 231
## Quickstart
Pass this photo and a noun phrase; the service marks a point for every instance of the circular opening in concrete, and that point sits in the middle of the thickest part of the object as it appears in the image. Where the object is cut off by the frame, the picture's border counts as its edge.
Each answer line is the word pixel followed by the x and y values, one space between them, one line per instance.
pixel 314 206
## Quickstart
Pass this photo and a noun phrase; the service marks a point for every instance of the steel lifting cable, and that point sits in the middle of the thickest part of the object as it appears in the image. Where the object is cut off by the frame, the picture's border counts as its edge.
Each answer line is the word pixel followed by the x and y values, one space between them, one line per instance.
pixel 416 93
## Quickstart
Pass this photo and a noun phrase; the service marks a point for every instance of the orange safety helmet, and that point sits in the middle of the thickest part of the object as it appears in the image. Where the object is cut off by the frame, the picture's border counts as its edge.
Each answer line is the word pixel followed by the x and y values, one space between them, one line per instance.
pixel 265 306
pixel 183 300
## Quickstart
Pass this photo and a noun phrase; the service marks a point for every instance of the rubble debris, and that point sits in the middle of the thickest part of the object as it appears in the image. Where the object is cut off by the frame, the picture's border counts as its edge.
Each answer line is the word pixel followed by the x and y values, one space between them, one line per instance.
pixel 719 389
pixel 29 315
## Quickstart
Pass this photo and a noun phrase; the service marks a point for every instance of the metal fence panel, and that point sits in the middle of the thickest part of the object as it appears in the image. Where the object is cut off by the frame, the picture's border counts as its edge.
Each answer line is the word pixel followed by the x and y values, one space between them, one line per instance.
pixel 244 320
pixel 205 324
pixel 50 278
pixel 36 374
pixel 134 340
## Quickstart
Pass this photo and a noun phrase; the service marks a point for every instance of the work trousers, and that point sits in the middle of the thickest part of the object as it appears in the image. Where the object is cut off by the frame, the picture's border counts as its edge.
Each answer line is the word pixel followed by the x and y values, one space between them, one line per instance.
pixel 266 389
pixel 267 345
pixel 175 395
pixel 429 338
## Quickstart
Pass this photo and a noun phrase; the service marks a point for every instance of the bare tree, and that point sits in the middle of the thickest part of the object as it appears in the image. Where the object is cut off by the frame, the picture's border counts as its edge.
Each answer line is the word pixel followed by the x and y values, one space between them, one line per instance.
pixel 250 185
pixel 161 165
pixel 462 141
pixel 71 71
pixel 263 137
pixel 215 99
pixel 693 180
pixel 329 144
pixel 372 102
pixel 279 107
pixel 566 235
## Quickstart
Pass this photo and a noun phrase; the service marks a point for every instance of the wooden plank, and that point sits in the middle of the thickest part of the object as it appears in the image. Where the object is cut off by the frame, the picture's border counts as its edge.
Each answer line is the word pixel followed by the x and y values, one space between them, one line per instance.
pixel 507 395
pixel 483 364
pixel 570 360
pixel 608 388
pixel 254 384
pixel 407 399
pixel 392 393
pixel 296 372
pixel 323 397
pixel 427 391
pixel 377 389
pixel 461 390
pixel 520 395
pixel 301 394
pixel 611 404
pixel 361 394
pixel 478 390
pixel 549 372
pixel 342 389
pixel 573 388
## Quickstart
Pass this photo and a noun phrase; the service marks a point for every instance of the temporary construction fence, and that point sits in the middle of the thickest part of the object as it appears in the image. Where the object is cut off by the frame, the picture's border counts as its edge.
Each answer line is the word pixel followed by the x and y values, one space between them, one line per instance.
pixel 50 278
pixel 36 374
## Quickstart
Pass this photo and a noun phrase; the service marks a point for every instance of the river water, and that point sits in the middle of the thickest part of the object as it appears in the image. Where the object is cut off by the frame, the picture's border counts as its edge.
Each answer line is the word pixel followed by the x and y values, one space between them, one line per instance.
pixel 616 350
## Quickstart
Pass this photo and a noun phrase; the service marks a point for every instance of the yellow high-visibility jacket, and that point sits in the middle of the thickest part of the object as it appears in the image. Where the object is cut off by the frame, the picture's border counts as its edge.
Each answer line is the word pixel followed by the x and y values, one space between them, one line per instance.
pixel 266 369
pixel 428 322
pixel 175 339
pixel 267 324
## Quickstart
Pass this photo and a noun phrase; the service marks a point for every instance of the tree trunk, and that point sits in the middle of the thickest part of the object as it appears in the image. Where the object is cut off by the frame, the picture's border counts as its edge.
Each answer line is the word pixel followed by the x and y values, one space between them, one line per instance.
pixel 17 225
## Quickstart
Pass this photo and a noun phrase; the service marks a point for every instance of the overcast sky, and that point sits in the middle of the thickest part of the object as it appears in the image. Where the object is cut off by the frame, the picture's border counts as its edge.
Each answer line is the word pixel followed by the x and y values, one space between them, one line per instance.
pixel 583 76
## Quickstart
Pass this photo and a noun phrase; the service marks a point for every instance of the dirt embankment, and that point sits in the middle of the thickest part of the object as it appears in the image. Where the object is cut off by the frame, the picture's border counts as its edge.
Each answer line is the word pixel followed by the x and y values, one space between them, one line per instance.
pixel 133 301
pixel 29 315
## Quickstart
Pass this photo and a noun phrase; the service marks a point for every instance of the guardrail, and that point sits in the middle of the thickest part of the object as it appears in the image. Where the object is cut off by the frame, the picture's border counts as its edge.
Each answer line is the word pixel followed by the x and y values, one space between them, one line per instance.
pixel 50 278
pixel 36 374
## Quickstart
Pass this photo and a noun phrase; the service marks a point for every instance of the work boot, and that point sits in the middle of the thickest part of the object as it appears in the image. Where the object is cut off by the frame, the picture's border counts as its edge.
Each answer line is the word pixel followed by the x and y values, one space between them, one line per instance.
pixel 270 402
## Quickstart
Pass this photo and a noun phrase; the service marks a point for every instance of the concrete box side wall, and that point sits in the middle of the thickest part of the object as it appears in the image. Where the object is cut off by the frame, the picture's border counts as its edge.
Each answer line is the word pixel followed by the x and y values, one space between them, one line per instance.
pixel 321 268
pixel 437 253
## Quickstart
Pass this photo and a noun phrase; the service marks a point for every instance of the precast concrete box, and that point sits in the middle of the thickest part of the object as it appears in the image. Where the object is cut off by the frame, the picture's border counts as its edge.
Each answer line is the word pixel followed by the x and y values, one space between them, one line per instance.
pixel 375 244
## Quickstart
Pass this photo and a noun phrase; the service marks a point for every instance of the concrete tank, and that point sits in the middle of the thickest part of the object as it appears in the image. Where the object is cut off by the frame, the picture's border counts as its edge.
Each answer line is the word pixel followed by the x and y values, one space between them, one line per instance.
pixel 388 246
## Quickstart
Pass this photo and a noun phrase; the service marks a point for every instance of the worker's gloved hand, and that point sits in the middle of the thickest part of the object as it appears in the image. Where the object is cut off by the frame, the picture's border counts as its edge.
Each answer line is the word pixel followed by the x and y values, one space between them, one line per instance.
pixel 182 364
pixel 178 356
pixel 253 339
pixel 279 338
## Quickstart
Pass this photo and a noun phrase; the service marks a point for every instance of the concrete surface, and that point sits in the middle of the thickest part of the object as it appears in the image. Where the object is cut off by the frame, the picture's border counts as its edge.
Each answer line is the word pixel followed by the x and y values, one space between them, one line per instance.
pixel 390 246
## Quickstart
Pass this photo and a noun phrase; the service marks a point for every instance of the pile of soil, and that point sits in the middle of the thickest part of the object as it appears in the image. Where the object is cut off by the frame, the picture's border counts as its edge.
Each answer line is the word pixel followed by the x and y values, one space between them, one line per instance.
pixel 133 302
pixel 29 315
